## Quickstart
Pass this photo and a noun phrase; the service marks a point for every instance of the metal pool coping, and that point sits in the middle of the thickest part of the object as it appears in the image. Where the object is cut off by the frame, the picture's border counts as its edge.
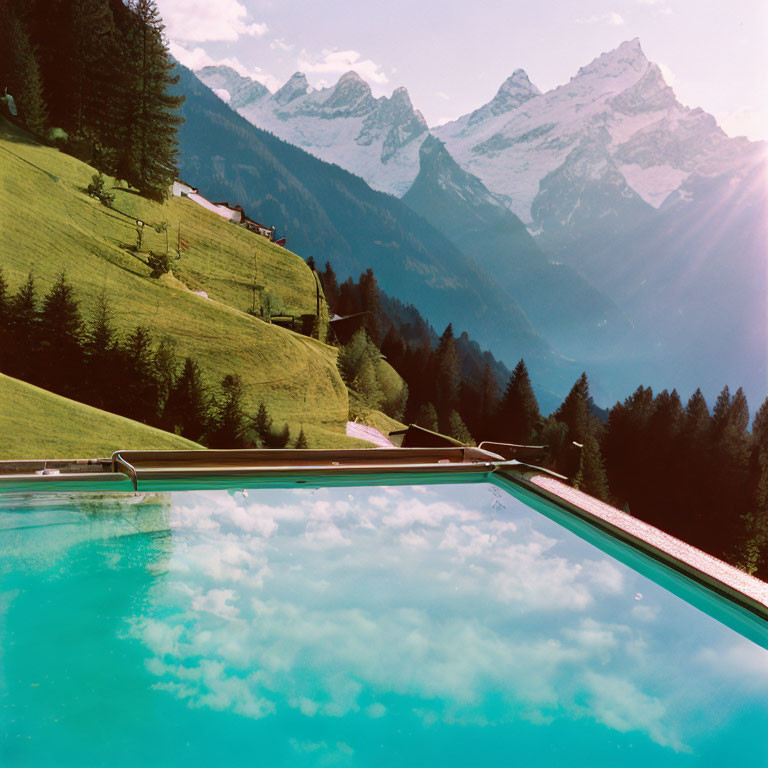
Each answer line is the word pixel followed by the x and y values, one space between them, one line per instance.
pixel 151 470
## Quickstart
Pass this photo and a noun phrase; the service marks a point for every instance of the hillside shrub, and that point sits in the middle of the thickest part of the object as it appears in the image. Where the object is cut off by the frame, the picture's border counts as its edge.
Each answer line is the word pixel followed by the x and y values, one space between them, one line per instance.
pixel 158 264
pixel 98 189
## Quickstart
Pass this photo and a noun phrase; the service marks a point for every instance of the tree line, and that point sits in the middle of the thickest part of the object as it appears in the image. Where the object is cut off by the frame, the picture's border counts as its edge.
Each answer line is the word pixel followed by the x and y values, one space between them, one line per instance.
pixel 94 77
pixel 698 473
pixel 48 343
pixel 444 376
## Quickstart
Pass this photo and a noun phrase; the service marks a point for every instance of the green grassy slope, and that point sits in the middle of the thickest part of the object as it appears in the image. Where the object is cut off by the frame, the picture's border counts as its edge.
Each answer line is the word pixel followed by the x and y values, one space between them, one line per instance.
pixel 49 224
pixel 36 424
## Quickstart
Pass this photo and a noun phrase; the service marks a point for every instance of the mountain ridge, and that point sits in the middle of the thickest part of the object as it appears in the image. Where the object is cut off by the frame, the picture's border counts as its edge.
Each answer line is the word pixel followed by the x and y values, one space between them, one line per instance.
pixel 376 138
pixel 570 312
pixel 331 214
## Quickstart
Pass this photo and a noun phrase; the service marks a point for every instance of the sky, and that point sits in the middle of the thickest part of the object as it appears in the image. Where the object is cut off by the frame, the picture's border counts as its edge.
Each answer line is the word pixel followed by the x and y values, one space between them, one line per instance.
pixel 452 55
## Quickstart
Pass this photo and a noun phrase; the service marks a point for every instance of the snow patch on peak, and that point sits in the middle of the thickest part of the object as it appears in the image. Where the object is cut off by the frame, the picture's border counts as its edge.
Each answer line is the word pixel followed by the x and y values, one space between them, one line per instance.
pixel 235 89
pixel 628 57
pixel 514 91
pixel 376 138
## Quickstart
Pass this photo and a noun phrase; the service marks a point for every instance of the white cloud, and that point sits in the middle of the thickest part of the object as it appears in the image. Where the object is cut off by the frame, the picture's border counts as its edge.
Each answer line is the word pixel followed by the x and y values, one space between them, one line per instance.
pixel 744 662
pixel 620 705
pixel 339 62
pixel 207 20
pixel 197 58
pixel 486 617
pixel 217 602
pixel 376 710
pixel 432 515
pixel 279 44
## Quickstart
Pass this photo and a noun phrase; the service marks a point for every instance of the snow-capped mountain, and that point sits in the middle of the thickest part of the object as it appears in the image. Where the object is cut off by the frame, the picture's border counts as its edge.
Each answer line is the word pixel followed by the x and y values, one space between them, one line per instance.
pixel 646 198
pixel 616 122
pixel 376 138
pixel 233 88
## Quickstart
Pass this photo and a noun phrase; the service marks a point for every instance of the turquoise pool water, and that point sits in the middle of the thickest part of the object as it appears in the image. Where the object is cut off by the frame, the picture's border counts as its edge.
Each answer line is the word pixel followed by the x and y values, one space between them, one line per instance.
pixel 434 625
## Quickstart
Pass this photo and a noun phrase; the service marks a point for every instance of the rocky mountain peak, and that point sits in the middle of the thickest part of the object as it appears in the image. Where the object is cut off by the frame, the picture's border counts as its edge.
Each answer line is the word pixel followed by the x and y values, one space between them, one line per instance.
pixel 349 90
pixel 628 57
pixel 232 87
pixel 297 85
pixel 397 110
pixel 432 153
pixel 513 92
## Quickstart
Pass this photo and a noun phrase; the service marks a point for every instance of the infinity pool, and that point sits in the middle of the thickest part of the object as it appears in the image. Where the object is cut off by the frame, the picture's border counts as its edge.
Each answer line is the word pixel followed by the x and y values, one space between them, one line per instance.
pixel 417 625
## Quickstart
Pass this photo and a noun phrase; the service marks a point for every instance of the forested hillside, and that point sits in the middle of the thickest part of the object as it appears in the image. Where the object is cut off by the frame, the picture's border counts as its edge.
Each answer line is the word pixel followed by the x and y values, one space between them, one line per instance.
pixel 52 226
pixel 94 77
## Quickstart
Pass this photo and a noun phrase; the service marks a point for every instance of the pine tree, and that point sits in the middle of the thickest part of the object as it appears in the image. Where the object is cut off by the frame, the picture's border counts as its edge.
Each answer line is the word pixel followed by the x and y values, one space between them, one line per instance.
pixel 301 440
pixel 102 358
pixel 349 299
pixel 457 429
pixel 370 302
pixel 752 551
pixel 23 332
pixel 394 348
pixel 21 70
pixel 164 370
pixel 396 405
pixel 278 438
pixel 575 414
pixel 427 417
pixel 96 80
pixel 591 477
pixel 625 447
pixel 446 376
pixel 60 360
pixel 554 435
pixel 228 430
pixel 352 354
pixel 330 286
pixel 140 398
pixel 366 383
pixel 518 413
pixel 574 411
pixel 151 147
pixel 187 408
pixel 261 424
pixel 489 401
pixel 728 473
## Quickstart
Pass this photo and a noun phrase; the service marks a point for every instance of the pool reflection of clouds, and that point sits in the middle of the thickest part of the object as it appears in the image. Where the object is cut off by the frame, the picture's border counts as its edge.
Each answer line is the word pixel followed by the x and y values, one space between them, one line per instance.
pixel 324 605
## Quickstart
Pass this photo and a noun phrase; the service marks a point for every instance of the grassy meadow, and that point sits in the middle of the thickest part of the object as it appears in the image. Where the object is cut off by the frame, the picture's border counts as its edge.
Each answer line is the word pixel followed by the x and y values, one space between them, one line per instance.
pixel 49 224
pixel 37 424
